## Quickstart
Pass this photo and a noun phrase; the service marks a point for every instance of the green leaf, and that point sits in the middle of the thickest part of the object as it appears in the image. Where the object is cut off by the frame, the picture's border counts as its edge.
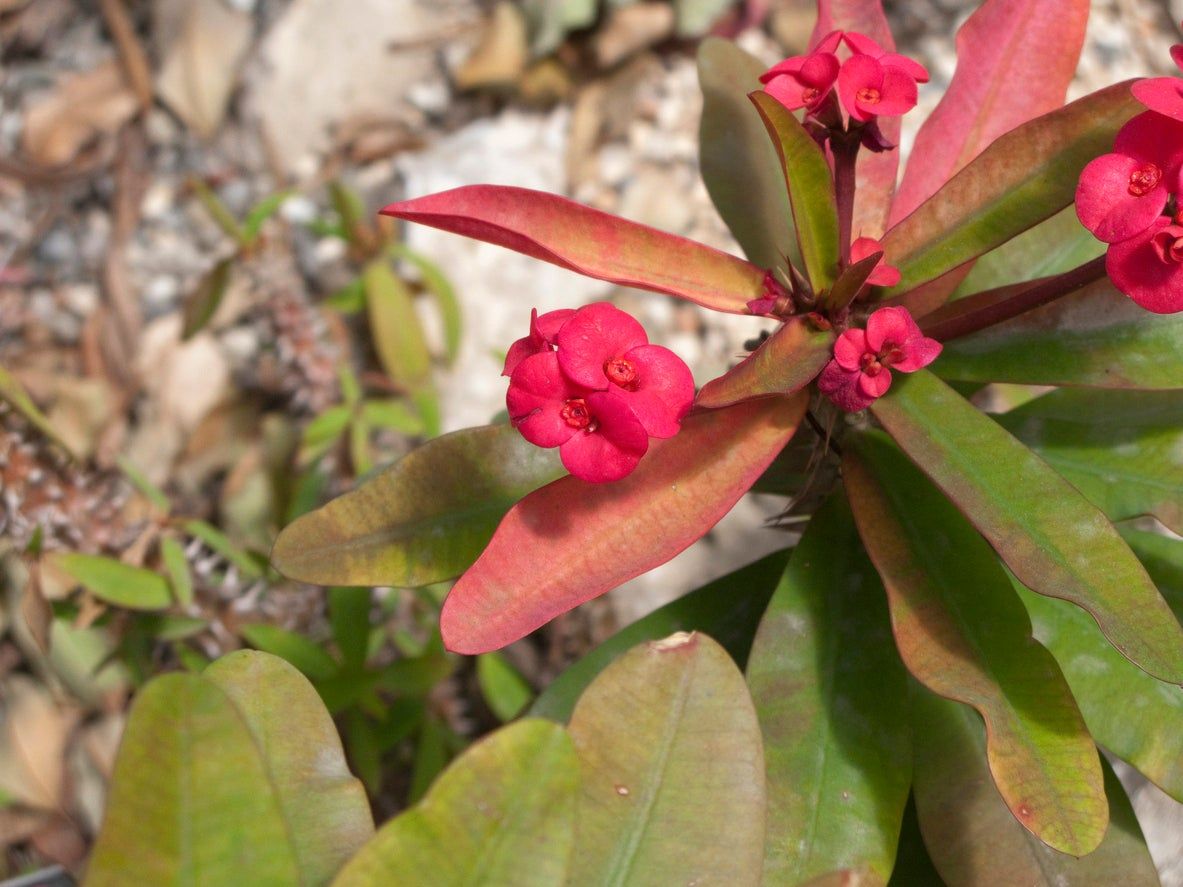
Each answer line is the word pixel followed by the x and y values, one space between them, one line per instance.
pixel 260 213
pixel 146 487
pixel 739 165
pixel 392 414
pixel 503 813
pixel 1122 449
pixel 1022 178
pixel 971 835
pixel 305 655
pixel 14 394
pixel 424 519
pixel 785 362
pixel 730 608
pixel 115 582
pixel 1053 246
pixel 673 777
pixel 179 574
pixel 395 327
pixel 349 299
pixel 437 284
pixel 1163 559
pixel 201 304
pixel 322 432
pixel 811 189
pixel 913 865
pixel 220 543
pixel 232 777
pixel 1052 538
pixel 1095 338
pixel 963 633
pixel 832 698
pixel 693 18
pixel 504 689
pixel 349 615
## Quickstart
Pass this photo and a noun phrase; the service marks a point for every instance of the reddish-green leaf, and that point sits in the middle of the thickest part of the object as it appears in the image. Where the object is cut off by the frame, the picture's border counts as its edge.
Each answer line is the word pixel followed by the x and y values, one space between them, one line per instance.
pixel 1122 449
pixel 785 362
pixel 876 172
pixel 810 186
pixel 589 242
pixel 1094 338
pixel 739 166
pixel 1023 178
pixel 963 633
pixel 424 519
pixel 573 540
pixel 832 700
pixel 971 835
pixel 673 777
pixel 1053 539
pixel 503 813
pixel 1005 43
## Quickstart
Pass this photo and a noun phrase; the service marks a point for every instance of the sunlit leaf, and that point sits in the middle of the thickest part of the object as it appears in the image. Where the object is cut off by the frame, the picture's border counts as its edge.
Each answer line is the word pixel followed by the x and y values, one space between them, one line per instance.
pixel 437 285
pixel 179 574
pixel 395 326
pixel 14 394
pixel 576 540
pixel 201 305
pixel 785 362
pixel 963 633
pixel 673 778
pixel 115 582
pixel 503 813
pixel 1053 539
pixel 831 696
pixel 424 519
pixel 502 686
pixel 299 651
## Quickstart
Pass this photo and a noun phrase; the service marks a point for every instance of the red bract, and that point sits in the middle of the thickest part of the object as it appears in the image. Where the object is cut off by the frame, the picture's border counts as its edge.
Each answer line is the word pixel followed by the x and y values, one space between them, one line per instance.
pixel 863 359
pixel 603 348
pixel 802 81
pixel 1163 94
pixel 869 88
pixel 1149 267
pixel 543 330
pixel 861 44
pixel 598 437
pixel 1121 194
pixel 884 274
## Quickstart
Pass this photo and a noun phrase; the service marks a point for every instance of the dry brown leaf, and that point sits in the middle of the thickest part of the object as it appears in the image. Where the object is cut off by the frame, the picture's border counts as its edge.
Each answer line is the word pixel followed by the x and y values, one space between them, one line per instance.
pixel 501 56
pixel 33 743
pixel 630 29
pixel 35 609
pixel 203 44
pixel 82 109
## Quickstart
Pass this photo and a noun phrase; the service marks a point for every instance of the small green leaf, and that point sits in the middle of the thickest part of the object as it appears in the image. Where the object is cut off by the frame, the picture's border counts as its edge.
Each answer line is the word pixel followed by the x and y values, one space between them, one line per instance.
pixel 179 574
pixel 201 304
pixel 116 582
pixel 673 777
pixel 1053 539
pixel 305 655
pixel 785 362
pixel 811 189
pixel 739 165
pixel 349 615
pixel 503 813
pixel 220 543
pixel 424 519
pixel 349 299
pixel 146 487
pixel 14 394
pixel 395 327
pixel 260 213
pixel 392 414
pixel 963 633
pixel 730 608
pixel 323 432
pixel 504 689
pixel 832 697
pixel 437 284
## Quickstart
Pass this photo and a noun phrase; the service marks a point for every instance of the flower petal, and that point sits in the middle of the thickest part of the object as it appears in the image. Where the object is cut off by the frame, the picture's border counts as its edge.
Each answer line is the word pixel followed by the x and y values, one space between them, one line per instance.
pixel 1105 205
pixel 897 94
pixel 849 348
pixel 1161 94
pixel 593 336
pixel 919 352
pixel 613 450
pixel 874 386
pixel 841 387
pixel 537 392
pixel 664 390
pixel 1135 268
pixel 892 325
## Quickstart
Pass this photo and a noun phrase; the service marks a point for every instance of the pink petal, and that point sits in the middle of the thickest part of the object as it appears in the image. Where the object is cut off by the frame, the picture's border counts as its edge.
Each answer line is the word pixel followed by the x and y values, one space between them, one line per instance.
pixel 1177 55
pixel 1136 269
pixel 664 390
pixel 548 325
pixel 874 386
pixel 1161 94
pixel 863 247
pixel 593 336
pixel 613 450
pixel 789 91
pixel 820 70
pixel 1105 205
pixel 884 275
pixel 849 349
pixel 788 66
pixel 537 393
pixel 858 72
pixel 893 324
pixel 829 43
pixel 841 387
pixel 918 353
pixel 1154 138
pixel 898 93
pixel 908 66
pixel 861 43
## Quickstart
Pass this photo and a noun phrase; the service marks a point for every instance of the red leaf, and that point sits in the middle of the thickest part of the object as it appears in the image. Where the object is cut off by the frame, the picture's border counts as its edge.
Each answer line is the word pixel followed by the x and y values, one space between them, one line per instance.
pixel 786 361
pixel 590 242
pixel 876 172
pixel 571 541
pixel 1015 59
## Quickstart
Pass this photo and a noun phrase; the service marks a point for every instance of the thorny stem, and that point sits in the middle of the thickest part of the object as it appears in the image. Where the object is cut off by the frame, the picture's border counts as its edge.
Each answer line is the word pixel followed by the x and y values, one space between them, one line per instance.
pixel 845 150
pixel 995 306
pixel 822 433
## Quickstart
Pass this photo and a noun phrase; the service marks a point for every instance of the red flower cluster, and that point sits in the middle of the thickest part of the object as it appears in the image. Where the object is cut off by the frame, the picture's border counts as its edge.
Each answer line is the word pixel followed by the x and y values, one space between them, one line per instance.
pixel 863 359
pixel 589 383
pixel 1124 198
pixel 871 82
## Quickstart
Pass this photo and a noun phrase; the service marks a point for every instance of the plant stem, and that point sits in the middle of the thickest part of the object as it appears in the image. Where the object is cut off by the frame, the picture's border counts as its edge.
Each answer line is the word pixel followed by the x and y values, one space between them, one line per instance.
pixel 845 150
pixel 992 307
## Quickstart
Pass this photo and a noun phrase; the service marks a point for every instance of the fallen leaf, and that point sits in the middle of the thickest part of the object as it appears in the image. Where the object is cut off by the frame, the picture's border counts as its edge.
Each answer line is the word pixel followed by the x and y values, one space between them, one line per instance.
pixel 630 29
pixel 33 743
pixel 500 57
pixel 82 109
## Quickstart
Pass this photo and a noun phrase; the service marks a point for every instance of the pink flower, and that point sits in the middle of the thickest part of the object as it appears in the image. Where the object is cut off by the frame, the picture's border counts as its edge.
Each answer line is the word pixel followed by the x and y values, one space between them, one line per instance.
pixel 603 348
pixel 863 359
pixel 802 81
pixel 598 437
pixel 869 88
pixel 861 44
pixel 775 299
pixel 1149 266
pixel 884 274
pixel 543 330
pixel 1121 194
pixel 1163 94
